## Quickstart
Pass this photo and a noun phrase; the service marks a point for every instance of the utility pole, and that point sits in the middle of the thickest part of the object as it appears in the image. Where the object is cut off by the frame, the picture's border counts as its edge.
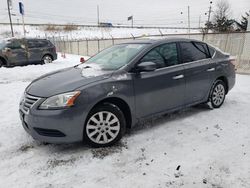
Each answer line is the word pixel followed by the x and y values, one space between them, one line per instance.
pixel 200 21
pixel 98 16
pixel 11 27
pixel 209 15
pixel 188 20
pixel 132 21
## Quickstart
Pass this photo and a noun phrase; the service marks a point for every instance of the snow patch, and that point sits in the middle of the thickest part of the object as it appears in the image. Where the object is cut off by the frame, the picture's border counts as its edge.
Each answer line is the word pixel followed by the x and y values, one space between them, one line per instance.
pixel 175 150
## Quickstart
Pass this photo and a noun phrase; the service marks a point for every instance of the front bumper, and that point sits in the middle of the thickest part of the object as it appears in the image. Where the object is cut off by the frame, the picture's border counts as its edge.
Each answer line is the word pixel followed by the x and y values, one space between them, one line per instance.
pixel 54 126
pixel 231 81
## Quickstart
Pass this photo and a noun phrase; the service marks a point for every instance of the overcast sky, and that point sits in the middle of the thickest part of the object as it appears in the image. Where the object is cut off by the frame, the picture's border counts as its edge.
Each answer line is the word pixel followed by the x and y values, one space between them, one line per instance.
pixel 145 12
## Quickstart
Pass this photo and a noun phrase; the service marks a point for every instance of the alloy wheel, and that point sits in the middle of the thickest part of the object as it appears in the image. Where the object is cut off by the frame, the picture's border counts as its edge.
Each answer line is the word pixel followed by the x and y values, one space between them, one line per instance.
pixel 103 127
pixel 218 94
pixel 47 59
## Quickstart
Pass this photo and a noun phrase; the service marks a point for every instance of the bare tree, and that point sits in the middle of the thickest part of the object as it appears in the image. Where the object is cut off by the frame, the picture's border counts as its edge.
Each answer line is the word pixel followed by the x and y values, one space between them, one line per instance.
pixel 222 21
pixel 223 9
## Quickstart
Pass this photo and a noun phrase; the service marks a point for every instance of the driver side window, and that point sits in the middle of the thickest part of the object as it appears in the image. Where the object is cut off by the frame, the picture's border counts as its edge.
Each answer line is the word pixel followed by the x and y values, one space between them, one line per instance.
pixel 163 56
pixel 14 45
pixel 155 57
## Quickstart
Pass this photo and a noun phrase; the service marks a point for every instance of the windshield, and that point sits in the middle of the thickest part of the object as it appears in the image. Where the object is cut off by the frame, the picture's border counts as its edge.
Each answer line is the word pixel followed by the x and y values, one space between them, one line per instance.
pixel 115 57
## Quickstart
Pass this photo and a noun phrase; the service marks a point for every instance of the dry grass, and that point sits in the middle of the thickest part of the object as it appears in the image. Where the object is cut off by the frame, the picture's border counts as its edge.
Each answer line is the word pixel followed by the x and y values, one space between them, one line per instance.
pixel 52 28
pixel 70 27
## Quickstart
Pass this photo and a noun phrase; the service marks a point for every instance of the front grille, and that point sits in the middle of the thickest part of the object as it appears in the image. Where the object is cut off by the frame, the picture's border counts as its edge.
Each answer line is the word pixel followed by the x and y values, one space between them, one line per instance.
pixel 49 132
pixel 28 102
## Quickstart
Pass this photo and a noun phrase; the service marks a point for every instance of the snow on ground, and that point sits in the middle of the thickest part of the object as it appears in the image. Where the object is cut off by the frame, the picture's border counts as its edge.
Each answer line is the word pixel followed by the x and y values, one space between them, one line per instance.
pixel 87 32
pixel 210 148
pixel 28 73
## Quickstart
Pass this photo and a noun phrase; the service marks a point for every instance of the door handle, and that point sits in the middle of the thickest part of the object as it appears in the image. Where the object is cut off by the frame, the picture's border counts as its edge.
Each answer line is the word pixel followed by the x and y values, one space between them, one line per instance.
pixel 211 69
pixel 178 77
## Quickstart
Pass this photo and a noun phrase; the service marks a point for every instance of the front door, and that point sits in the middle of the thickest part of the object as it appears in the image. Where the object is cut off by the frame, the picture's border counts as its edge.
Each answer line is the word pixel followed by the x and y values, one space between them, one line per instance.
pixel 162 89
pixel 17 52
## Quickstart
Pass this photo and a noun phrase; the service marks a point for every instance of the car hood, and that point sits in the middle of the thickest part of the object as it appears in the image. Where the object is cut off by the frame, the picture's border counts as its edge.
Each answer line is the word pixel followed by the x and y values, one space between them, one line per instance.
pixel 65 80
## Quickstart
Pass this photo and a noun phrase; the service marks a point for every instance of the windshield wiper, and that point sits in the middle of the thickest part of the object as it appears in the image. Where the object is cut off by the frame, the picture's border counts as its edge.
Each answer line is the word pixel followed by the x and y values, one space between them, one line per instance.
pixel 86 67
pixel 76 65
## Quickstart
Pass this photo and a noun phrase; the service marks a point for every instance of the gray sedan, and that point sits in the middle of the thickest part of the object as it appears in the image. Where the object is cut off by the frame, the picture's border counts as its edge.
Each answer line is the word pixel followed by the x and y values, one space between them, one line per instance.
pixel 98 100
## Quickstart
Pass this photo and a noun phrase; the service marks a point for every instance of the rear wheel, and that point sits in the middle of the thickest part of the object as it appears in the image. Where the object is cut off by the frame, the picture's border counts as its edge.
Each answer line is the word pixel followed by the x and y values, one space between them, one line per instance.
pixel 47 59
pixel 218 94
pixel 105 125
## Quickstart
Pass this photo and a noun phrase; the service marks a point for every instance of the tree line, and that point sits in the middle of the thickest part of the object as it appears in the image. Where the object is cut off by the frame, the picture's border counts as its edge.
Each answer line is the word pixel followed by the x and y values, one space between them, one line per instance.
pixel 222 20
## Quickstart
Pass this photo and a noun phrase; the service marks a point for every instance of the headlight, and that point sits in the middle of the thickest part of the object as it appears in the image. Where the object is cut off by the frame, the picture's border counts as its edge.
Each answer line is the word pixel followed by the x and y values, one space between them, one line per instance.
pixel 60 101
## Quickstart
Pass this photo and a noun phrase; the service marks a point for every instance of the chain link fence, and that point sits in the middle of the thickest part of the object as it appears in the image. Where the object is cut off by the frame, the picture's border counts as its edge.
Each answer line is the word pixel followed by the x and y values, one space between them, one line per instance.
pixel 237 44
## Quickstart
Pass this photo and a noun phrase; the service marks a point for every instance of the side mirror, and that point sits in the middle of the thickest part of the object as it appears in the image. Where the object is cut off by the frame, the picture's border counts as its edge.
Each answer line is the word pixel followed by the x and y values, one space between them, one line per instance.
pixel 82 60
pixel 146 67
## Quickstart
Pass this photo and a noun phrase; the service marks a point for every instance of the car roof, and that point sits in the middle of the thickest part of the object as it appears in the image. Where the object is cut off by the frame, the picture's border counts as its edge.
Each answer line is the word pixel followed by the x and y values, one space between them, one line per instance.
pixel 21 38
pixel 160 41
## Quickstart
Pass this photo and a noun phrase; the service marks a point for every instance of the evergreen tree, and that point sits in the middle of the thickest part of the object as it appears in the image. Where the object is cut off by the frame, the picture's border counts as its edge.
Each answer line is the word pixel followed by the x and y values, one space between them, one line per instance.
pixel 221 20
pixel 242 25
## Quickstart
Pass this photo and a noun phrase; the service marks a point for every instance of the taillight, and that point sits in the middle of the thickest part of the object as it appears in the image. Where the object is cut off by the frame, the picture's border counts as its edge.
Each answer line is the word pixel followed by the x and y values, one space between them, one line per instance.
pixel 233 61
pixel 54 49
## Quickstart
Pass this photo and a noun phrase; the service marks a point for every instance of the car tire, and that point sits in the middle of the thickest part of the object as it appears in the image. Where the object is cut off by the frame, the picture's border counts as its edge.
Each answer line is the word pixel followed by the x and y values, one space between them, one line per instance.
pixel 218 94
pixel 105 125
pixel 47 59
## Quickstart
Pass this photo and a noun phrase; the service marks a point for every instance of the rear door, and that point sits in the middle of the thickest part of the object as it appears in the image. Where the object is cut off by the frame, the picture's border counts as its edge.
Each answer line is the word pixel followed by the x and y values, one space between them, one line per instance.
pixel 198 69
pixel 35 50
pixel 162 89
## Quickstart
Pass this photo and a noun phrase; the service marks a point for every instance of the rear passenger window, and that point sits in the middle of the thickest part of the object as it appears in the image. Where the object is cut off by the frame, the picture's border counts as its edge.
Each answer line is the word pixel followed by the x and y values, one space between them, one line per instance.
pixel 211 51
pixel 32 44
pixel 193 51
pixel 43 43
pixel 202 47
pixel 164 55
pixel 15 44
pixel 169 53
pixel 37 43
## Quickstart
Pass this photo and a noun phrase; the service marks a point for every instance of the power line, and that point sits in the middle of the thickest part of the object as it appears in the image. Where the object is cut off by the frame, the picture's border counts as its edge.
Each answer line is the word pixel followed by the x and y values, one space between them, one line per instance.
pixel 73 17
pixel 209 15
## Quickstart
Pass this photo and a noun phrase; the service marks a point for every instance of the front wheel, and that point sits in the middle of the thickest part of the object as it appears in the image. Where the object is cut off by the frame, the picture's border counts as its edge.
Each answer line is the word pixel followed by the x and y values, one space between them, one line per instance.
pixel 105 125
pixel 218 94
